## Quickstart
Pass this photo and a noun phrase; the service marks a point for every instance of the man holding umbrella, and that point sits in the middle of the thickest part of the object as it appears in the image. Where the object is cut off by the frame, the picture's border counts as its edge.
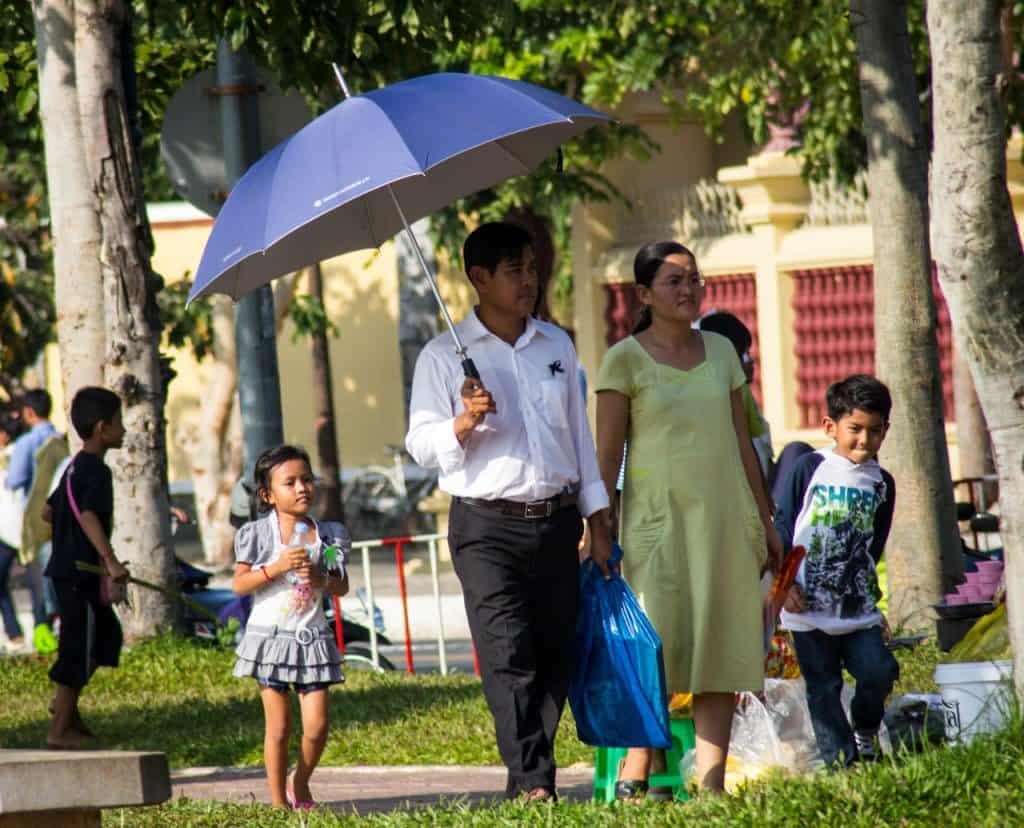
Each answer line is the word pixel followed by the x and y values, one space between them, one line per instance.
pixel 515 453
pixel 520 464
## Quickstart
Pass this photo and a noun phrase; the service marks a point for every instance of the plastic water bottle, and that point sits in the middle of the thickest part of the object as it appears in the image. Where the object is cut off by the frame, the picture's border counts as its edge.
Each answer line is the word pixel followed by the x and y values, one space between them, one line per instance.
pixel 301 536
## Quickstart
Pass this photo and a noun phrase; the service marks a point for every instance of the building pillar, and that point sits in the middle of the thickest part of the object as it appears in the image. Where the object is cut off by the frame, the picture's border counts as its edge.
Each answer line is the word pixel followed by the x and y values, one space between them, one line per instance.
pixel 590 239
pixel 775 200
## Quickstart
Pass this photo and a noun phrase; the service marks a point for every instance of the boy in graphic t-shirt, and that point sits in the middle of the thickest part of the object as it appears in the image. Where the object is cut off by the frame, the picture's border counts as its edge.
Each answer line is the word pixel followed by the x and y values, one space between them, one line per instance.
pixel 838 505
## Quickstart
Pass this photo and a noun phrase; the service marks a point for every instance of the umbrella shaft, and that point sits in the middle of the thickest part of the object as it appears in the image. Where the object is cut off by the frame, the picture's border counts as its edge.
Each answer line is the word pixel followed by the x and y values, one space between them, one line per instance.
pixel 460 349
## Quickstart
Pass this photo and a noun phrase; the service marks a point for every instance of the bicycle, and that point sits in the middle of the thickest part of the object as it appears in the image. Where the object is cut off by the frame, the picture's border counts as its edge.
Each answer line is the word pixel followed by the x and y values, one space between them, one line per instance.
pixel 382 501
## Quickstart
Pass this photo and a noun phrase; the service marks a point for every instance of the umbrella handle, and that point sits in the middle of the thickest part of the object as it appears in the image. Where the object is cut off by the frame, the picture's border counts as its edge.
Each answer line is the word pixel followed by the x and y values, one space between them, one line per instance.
pixel 469 369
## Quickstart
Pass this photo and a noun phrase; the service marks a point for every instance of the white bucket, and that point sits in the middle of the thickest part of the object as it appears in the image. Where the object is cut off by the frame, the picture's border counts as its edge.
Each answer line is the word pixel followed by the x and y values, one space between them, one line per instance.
pixel 976 697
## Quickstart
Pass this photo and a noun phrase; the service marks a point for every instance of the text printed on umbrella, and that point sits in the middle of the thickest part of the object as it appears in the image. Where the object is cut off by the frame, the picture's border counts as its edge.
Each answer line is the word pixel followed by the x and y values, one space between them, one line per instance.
pixel 321 201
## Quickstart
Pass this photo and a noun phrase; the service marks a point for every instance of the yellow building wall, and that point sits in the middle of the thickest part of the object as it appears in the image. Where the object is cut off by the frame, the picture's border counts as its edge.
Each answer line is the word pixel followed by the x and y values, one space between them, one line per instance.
pixel 361 298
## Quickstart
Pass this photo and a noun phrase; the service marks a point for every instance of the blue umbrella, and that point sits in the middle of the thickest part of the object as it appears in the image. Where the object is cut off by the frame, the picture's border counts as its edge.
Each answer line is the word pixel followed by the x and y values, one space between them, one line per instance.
pixel 361 172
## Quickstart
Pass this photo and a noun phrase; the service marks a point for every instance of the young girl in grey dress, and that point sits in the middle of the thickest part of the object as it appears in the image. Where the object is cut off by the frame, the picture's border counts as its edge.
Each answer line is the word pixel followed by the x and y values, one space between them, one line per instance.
pixel 288 561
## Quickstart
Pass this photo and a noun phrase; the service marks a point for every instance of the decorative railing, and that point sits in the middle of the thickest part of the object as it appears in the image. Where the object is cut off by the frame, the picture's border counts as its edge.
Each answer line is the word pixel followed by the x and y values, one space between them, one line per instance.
pixel 708 209
pixel 838 202
pixel 835 334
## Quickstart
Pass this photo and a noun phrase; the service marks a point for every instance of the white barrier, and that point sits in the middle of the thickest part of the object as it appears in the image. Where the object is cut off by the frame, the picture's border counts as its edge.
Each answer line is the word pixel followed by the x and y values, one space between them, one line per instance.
pixel 399 544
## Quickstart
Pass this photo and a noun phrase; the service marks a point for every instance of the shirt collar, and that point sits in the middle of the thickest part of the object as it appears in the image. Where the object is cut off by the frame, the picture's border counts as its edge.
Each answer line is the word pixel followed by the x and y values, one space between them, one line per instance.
pixel 471 329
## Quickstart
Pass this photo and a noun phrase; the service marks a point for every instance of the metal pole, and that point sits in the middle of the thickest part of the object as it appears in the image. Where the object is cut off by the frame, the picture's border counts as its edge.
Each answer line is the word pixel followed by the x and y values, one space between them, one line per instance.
pixel 259 387
pixel 442 655
pixel 339 632
pixel 400 566
pixel 468 368
pixel 368 584
pixel 460 349
pixel 341 80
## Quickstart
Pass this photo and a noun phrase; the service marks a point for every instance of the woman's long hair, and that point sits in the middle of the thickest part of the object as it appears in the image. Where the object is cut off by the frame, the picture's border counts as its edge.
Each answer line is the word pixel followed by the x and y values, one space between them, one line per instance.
pixel 649 259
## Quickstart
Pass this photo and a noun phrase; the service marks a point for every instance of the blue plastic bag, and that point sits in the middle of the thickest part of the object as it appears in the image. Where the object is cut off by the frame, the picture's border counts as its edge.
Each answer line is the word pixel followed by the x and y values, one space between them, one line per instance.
pixel 617 691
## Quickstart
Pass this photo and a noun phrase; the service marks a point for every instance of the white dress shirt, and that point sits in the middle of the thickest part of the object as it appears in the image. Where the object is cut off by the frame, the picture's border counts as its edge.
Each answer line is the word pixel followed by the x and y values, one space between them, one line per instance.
pixel 539 441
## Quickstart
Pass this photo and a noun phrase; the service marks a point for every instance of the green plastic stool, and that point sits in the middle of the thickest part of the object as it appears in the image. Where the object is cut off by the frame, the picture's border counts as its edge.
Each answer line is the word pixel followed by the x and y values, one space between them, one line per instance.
pixel 606 764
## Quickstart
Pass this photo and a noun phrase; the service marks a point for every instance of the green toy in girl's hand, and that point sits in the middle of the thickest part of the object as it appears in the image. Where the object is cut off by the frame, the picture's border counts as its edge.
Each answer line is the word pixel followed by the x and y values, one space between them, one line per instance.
pixel 331 555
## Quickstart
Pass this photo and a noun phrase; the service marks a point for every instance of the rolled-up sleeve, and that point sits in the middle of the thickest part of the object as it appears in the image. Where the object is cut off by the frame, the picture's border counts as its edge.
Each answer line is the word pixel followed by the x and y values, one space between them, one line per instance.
pixel 431 439
pixel 593 495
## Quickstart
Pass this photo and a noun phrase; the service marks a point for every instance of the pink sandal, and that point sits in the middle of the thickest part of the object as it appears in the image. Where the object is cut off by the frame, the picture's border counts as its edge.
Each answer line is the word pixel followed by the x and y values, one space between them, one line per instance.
pixel 298 804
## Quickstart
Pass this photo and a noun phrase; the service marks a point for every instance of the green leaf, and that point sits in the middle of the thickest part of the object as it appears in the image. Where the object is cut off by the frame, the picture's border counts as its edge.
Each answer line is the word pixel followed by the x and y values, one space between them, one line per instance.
pixel 26 101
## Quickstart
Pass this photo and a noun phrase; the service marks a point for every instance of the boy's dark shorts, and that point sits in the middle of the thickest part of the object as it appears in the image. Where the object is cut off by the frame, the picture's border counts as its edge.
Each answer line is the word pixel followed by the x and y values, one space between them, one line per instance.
pixel 90 634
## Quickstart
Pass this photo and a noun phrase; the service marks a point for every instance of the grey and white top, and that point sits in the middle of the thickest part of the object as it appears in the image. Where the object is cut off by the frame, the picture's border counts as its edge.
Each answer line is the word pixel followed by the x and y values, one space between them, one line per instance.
pixel 287 638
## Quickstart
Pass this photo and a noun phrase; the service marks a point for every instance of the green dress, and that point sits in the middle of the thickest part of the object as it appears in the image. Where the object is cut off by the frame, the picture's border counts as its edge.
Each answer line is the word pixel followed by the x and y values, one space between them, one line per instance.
pixel 691 533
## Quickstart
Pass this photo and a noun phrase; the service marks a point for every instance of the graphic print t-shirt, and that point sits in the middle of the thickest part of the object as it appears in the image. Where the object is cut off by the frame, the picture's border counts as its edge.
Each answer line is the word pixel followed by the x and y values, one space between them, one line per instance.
pixel 840 512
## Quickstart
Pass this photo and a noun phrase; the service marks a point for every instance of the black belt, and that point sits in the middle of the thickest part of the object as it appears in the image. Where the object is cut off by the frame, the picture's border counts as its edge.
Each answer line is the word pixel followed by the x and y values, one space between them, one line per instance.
pixel 532 510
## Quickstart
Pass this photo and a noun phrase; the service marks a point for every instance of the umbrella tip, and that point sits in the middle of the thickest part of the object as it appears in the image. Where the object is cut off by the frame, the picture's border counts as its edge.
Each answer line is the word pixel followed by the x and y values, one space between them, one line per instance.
pixel 341 79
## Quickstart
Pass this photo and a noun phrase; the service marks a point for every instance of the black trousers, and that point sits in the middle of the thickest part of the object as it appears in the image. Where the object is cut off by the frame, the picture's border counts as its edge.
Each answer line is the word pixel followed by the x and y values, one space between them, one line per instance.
pixel 520 583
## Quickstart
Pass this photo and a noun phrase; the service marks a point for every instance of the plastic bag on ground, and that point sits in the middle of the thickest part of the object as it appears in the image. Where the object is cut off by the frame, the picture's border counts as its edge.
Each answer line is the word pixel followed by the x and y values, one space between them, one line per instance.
pixel 617 691
pixel 772 734
pixel 987 640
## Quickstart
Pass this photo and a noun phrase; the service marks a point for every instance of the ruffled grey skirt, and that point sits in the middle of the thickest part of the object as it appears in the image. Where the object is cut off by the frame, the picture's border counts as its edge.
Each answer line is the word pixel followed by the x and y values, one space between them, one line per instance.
pixel 279 656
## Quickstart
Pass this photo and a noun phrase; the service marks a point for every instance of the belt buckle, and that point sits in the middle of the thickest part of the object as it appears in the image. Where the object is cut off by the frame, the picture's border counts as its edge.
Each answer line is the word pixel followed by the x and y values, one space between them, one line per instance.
pixel 305 636
pixel 537 509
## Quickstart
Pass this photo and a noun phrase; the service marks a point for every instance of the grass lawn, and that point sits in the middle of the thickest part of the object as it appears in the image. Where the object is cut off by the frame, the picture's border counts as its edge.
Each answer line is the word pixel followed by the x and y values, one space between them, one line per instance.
pixel 178 696
pixel 977 787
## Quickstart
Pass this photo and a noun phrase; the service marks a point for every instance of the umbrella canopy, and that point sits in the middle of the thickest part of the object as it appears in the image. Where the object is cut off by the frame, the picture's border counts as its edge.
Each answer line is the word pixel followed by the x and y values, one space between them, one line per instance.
pixel 336 185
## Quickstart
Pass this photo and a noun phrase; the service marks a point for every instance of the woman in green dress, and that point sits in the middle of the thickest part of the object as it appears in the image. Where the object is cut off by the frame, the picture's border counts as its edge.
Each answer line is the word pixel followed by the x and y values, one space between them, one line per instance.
pixel 695 522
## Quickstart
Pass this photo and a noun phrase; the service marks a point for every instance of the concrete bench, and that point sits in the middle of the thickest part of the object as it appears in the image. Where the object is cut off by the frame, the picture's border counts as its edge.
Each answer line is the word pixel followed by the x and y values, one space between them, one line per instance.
pixel 43 788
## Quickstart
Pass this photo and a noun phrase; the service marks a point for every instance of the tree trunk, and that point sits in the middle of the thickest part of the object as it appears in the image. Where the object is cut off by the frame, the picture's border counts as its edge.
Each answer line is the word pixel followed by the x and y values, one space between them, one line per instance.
pixel 76 228
pixel 284 290
pixel 979 254
pixel 215 446
pixel 973 443
pixel 323 403
pixel 213 473
pixel 923 550
pixel 142 526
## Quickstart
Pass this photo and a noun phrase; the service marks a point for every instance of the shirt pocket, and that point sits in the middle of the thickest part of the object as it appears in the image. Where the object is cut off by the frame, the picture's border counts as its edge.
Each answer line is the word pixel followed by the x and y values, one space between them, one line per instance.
pixel 553 399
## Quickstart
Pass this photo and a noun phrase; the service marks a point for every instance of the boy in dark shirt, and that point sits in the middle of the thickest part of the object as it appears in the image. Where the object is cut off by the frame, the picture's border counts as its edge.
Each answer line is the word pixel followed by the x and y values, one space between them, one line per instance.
pixel 81 510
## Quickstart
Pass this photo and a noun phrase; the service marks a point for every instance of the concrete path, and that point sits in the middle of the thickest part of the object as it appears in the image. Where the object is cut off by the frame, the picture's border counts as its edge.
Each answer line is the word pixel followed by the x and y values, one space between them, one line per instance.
pixel 374 789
